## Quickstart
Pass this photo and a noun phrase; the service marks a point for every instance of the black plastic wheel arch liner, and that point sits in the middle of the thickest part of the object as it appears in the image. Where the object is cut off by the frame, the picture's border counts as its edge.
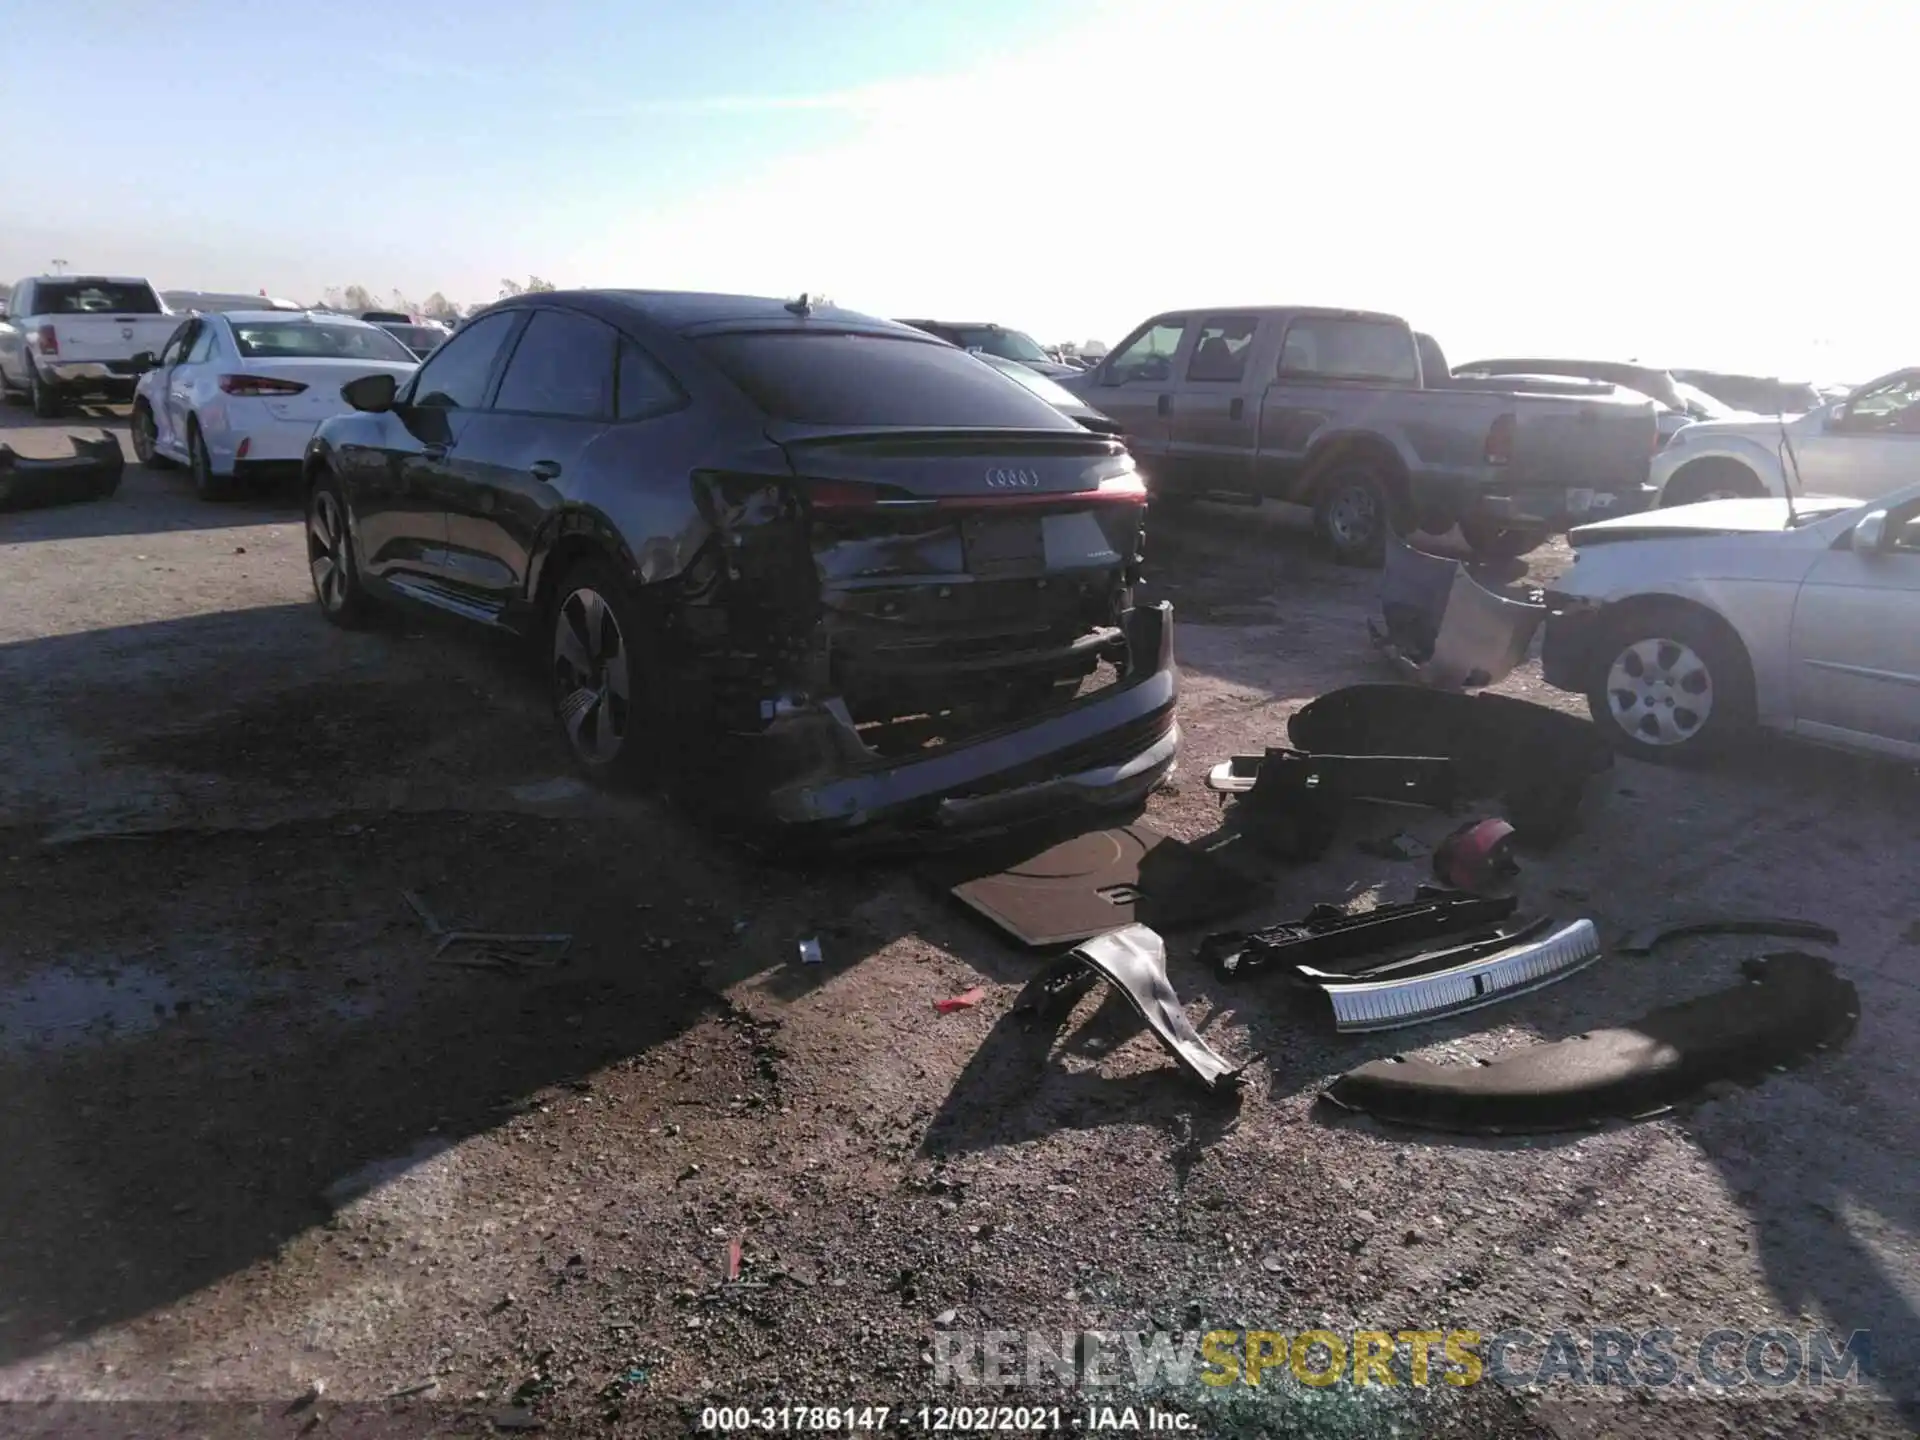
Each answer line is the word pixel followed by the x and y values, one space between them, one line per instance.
pixel 1134 961
pixel 1290 802
pixel 1649 937
pixel 1542 763
pixel 1790 1005
pixel 92 472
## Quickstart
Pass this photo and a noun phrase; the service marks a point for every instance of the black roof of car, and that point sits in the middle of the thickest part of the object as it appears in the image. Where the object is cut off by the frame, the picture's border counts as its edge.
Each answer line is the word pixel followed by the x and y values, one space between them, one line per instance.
pixel 692 312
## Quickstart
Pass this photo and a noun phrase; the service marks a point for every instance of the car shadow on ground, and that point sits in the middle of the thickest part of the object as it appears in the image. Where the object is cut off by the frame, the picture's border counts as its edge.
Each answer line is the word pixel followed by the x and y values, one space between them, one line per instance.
pixel 202 1030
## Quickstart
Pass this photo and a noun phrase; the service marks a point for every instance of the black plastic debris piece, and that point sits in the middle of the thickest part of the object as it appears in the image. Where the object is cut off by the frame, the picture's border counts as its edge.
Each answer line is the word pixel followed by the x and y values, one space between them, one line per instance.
pixel 1540 763
pixel 1649 937
pixel 1290 801
pixel 1400 846
pixel 1092 883
pixel 1134 961
pixel 92 472
pixel 1326 936
pixel 1790 1005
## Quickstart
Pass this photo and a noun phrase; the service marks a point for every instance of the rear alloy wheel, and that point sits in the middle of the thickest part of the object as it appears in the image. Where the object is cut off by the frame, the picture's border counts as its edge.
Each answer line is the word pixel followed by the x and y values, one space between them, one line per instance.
pixel 45 400
pixel 146 438
pixel 605 665
pixel 206 484
pixel 1491 541
pixel 1354 512
pixel 1670 684
pixel 330 559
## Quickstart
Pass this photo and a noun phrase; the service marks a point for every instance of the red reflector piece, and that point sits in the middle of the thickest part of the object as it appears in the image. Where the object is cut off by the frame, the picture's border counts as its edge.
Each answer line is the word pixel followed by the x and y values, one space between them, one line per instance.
pixel 844 494
pixel 245 445
pixel 48 342
pixel 259 385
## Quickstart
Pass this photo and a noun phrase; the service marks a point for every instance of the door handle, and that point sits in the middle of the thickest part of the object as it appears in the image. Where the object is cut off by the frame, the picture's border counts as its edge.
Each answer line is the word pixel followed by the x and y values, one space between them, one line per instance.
pixel 1237 408
pixel 544 469
pixel 1166 405
pixel 434 452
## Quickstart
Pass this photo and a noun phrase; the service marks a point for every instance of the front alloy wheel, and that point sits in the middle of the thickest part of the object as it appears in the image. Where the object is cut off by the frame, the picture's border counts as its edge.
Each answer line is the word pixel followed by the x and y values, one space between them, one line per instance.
pixel 336 583
pixel 1660 693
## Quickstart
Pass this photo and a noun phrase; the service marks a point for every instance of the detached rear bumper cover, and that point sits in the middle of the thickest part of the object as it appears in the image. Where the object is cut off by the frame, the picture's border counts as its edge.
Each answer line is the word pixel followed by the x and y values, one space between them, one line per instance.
pixel 92 472
pixel 1106 751
pixel 1444 628
pixel 1791 1005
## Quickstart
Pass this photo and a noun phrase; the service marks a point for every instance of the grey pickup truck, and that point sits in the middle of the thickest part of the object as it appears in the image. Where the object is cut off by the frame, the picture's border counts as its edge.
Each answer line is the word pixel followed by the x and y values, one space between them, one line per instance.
pixel 1328 408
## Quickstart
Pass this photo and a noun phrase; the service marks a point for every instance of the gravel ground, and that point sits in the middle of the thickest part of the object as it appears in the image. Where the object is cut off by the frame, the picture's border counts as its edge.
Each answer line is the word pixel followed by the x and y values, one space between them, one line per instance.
pixel 258 1138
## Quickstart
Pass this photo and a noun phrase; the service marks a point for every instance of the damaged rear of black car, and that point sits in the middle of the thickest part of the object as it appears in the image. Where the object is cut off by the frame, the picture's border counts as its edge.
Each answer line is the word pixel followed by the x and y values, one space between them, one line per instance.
pixel 833 577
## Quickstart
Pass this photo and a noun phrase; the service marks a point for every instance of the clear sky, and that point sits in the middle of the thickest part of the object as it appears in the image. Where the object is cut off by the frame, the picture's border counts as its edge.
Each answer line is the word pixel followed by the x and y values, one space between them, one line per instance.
pixel 1698 182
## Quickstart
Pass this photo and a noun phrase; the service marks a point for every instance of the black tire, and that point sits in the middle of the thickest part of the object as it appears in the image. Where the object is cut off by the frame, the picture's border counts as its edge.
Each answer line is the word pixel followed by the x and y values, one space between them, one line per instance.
pixel 47 402
pixel 144 436
pixel 1492 541
pixel 206 484
pixel 331 560
pixel 1711 480
pixel 1354 510
pixel 1669 683
pixel 602 636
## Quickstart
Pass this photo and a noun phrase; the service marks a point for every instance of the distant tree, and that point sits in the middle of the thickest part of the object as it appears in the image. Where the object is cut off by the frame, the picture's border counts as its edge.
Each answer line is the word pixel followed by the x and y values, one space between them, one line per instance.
pixel 437 307
pixel 534 286
pixel 356 298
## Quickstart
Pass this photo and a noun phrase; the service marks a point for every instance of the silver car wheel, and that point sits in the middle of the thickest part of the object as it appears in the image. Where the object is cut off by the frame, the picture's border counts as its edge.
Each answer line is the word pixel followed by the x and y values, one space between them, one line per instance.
pixel 1660 692
pixel 591 676
pixel 327 553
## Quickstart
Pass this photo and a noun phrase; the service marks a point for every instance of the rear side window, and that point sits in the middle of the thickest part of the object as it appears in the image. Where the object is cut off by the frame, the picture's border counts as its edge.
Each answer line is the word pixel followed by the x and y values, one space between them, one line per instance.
pixel 1221 353
pixel 455 378
pixel 1349 350
pixel 819 378
pixel 562 366
pixel 644 386
pixel 94 297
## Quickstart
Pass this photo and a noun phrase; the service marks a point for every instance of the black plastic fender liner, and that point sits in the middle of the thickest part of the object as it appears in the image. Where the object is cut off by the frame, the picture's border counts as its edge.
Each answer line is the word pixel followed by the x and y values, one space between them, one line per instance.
pixel 1541 762
pixel 1134 961
pixel 92 472
pixel 1647 938
pixel 1790 1005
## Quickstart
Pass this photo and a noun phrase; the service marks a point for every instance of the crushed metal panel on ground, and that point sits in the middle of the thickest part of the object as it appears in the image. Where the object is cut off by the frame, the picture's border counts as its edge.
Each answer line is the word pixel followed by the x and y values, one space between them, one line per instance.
pixel 1093 883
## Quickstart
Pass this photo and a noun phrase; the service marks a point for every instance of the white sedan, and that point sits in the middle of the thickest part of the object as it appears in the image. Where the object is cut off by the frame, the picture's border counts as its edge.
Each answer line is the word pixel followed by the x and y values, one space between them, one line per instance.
pixel 1683 625
pixel 237 395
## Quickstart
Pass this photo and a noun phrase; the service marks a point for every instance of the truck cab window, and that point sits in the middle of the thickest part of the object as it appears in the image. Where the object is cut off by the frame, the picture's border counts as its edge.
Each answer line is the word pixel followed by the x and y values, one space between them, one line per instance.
pixel 1349 350
pixel 1150 357
pixel 1221 353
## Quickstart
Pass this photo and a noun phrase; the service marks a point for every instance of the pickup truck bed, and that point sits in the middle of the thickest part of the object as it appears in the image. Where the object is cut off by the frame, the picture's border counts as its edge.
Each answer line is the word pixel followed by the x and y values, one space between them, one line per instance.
pixel 66 336
pixel 1328 408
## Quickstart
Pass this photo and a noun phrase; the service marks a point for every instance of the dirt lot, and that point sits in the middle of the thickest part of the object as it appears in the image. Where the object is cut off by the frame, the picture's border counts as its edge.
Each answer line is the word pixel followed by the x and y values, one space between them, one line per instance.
pixel 256 1138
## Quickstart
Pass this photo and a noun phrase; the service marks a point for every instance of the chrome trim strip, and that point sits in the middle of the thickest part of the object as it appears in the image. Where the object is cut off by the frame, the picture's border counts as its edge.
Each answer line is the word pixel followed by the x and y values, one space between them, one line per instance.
pixel 1390 1004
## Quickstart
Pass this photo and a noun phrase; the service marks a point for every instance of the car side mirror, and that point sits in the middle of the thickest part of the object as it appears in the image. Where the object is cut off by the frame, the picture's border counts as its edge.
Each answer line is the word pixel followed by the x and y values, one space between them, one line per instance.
pixel 1870 532
pixel 145 361
pixel 371 393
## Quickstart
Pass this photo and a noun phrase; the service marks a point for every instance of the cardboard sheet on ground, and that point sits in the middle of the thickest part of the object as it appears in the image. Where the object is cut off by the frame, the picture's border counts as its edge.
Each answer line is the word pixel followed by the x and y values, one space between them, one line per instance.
pixel 1092 883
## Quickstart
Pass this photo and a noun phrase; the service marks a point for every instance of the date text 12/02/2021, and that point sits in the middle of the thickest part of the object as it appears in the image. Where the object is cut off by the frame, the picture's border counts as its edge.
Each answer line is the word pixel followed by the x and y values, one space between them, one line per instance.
pixel 946 1419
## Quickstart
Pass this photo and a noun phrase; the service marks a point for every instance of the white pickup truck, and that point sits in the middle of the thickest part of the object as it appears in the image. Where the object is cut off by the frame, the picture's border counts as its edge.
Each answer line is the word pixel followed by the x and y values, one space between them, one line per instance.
pixel 64 336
